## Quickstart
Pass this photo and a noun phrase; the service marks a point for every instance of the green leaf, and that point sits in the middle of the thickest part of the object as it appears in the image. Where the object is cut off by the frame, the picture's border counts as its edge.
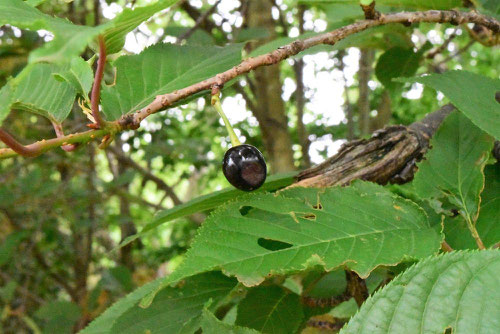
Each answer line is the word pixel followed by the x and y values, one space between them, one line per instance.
pixel 491 5
pixel 36 90
pixel 487 224
pixel 473 94
pixel 199 37
pixel 361 226
pixel 7 292
pixel 59 316
pixel 9 244
pixel 70 39
pixel 453 168
pixel 34 3
pixel 127 21
pixel 176 309
pixel 270 309
pixel 208 202
pixel 210 324
pixel 6 95
pixel 394 63
pixel 105 321
pixel 79 76
pixel 457 291
pixel 162 69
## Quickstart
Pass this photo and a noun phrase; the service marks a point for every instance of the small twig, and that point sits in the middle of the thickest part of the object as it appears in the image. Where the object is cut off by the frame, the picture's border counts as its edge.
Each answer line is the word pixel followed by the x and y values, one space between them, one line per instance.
pixel 370 12
pixel 201 19
pixel 460 51
pixel 24 290
pixel 42 146
pixel 281 17
pixel 442 47
pixel 146 173
pixel 96 87
pixel 60 133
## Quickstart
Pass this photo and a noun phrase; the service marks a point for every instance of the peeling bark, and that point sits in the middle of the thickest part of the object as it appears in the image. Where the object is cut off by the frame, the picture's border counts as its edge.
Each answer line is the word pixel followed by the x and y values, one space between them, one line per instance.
pixel 389 155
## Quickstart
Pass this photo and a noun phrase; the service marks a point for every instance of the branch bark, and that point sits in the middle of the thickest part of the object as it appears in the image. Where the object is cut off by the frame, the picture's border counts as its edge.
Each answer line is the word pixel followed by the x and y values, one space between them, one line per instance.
pixel 286 51
pixel 388 156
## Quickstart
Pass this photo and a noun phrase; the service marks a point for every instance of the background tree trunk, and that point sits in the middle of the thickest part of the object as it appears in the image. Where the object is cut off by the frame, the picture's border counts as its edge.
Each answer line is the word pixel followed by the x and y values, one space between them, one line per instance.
pixel 364 74
pixel 270 109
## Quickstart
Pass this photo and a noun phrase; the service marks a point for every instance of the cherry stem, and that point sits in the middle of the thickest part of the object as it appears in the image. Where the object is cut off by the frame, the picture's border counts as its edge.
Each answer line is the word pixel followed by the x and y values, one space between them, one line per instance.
pixel 217 105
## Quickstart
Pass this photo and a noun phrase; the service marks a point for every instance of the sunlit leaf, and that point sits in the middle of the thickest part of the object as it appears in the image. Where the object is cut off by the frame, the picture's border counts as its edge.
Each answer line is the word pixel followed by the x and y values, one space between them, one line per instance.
pixel 36 90
pixel 70 39
pixel 162 69
pixel 472 93
pixel 361 227
pixel 453 168
pixel 208 202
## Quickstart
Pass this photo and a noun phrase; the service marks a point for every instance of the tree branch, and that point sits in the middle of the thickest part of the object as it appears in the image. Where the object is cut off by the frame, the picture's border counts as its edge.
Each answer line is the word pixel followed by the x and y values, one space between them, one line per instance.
pixel 17 147
pixel 163 101
pixel 389 155
pixel 133 120
pixel 201 19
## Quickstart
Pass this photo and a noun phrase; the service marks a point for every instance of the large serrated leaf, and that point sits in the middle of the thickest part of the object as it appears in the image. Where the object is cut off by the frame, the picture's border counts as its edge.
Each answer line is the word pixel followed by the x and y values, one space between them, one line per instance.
pixel 128 20
pixel 488 221
pixel 472 93
pixel 175 310
pixel 70 39
pixel 79 75
pixel 361 227
pixel 36 90
pixel 453 168
pixel 458 291
pixel 270 309
pixel 162 69
pixel 208 202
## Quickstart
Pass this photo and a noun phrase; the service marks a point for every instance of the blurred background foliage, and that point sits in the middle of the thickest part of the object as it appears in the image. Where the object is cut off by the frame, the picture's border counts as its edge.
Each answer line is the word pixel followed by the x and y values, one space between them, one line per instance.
pixel 62 214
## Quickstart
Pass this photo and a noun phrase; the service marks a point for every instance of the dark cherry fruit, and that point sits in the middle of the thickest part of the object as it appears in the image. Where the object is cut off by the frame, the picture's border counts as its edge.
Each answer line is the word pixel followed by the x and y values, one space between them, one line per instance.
pixel 244 167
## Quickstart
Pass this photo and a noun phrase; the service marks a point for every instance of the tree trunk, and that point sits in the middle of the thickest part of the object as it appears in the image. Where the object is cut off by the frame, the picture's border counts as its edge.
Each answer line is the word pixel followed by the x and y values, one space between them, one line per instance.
pixel 384 112
pixel 300 100
pixel 364 73
pixel 270 109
